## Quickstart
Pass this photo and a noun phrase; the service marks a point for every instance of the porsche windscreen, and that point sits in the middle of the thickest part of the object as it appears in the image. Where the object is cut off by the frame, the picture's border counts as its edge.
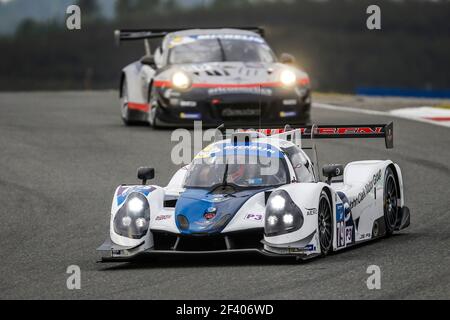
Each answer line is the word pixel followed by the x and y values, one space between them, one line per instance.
pixel 248 171
pixel 219 49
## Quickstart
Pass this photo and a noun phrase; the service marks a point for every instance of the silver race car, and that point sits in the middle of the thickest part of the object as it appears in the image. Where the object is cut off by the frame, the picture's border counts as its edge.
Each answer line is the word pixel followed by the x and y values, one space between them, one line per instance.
pixel 215 76
pixel 259 191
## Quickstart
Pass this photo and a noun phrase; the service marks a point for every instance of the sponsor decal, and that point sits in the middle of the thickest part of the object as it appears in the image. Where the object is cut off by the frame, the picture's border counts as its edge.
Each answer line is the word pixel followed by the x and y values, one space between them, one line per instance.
pixel 366 190
pixel 311 212
pixel 251 147
pixel 340 231
pixel 180 40
pixel 310 247
pixel 340 225
pixel 242 37
pixel 365 236
pixel 230 112
pixel 163 217
pixel 345 130
pixel 288 114
pixel 240 90
pixel 340 216
pixel 184 103
pixel 290 102
pixel 348 235
pixel 258 86
pixel 194 116
pixel 254 217
pixel 255 181
pixel 345 227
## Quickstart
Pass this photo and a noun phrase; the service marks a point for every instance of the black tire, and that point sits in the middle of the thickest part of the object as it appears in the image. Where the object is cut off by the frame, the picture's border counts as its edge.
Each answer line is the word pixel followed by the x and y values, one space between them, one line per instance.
pixel 123 101
pixel 390 199
pixel 325 222
pixel 153 101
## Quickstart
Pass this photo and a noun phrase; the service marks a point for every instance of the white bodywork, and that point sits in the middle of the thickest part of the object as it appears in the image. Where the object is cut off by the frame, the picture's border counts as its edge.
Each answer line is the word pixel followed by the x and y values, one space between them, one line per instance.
pixel 362 185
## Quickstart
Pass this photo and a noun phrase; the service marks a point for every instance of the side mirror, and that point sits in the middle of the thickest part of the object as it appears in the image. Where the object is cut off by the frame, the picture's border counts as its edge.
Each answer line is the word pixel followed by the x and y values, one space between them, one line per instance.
pixel 287 58
pixel 145 173
pixel 148 61
pixel 332 170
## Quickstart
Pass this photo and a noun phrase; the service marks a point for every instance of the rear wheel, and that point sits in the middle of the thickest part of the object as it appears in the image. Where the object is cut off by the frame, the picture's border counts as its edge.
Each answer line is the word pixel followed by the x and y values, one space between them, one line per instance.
pixel 390 203
pixel 325 224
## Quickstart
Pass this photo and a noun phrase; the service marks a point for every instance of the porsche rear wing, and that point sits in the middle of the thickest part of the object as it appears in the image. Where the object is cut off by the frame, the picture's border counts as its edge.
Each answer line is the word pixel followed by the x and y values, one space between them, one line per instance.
pixel 144 34
pixel 383 131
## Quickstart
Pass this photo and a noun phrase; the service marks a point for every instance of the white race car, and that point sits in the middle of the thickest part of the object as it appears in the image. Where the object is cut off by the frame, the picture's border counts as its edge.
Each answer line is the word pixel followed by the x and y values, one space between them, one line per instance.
pixel 259 191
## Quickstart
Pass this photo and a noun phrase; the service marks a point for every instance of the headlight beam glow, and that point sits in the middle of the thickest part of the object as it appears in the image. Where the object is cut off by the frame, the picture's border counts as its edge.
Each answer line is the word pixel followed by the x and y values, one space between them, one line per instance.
pixel 288 78
pixel 181 80
pixel 135 205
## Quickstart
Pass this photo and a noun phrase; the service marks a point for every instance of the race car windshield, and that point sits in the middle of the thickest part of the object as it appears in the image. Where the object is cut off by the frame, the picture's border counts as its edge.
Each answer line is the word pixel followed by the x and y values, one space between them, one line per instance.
pixel 243 171
pixel 220 50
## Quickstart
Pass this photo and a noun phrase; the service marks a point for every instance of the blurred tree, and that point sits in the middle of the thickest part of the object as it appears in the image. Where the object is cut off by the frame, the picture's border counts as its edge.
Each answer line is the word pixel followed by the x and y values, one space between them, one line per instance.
pixel 221 4
pixel 124 7
pixel 170 5
pixel 89 8
pixel 136 8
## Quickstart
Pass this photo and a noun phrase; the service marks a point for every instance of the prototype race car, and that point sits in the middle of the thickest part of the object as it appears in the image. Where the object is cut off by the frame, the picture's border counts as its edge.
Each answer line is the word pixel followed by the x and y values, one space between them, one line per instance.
pixel 215 76
pixel 259 191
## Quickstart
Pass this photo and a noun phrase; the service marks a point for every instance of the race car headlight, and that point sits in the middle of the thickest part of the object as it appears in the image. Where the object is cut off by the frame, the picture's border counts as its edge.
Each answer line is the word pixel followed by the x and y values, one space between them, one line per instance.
pixel 288 78
pixel 133 218
pixel 181 80
pixel 282 215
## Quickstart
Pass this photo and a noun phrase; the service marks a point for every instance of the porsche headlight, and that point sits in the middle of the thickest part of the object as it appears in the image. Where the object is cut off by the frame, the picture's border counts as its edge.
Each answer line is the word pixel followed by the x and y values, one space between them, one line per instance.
pixel 133 218
pixel 288 78
pixel 282 214
pixel 181 81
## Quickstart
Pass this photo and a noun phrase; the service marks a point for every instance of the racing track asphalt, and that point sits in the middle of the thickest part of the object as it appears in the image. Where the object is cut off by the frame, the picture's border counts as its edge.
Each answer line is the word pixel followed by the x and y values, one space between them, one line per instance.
pixel 62 155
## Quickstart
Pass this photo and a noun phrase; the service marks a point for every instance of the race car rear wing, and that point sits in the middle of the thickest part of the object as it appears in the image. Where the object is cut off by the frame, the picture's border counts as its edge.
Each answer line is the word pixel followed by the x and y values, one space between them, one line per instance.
pixel 144 34
pixel 384 131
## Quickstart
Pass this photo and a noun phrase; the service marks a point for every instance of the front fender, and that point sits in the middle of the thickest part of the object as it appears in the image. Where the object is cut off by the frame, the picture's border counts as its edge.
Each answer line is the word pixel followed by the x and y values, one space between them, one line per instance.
pixel 306 197
pixel 138 77
pixel 155 198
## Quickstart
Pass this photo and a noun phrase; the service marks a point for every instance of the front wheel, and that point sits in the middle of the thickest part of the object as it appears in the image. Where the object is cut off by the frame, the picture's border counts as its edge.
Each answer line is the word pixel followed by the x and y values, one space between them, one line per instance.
pixel 124 103
pixel 153 102
pixel 325 221
pixel 390 201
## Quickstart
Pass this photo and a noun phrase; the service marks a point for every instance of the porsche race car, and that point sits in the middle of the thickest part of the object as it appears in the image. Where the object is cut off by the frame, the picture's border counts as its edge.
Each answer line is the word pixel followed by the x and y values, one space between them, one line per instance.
pixel 215 76
pixel 259 191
